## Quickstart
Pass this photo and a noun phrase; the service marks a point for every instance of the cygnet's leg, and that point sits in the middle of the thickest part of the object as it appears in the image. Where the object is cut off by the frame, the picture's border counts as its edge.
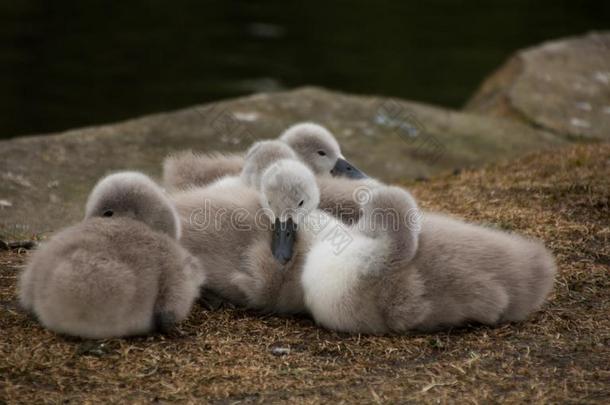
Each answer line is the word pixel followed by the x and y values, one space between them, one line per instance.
pixel 391 214
pixel 187 169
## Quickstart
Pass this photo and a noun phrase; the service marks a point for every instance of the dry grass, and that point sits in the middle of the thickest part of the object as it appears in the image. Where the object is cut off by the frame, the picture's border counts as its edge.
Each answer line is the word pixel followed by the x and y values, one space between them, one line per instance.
pixel 561 355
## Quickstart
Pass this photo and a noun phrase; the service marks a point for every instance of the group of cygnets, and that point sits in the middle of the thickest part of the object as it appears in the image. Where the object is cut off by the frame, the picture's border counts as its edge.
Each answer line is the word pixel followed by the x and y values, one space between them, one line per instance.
pixel 262 230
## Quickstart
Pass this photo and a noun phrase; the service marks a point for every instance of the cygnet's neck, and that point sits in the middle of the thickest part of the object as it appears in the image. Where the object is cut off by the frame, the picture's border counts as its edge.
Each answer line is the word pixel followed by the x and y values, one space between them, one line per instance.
pixel 317 225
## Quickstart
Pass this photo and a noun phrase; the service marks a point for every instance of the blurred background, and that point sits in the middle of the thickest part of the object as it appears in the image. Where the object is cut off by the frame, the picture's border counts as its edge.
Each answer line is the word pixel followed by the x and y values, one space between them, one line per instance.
pixel 69 64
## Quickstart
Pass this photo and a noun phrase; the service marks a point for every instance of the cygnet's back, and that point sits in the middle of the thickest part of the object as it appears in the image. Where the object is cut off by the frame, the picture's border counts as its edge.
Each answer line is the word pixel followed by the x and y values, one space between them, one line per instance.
pixel 480 274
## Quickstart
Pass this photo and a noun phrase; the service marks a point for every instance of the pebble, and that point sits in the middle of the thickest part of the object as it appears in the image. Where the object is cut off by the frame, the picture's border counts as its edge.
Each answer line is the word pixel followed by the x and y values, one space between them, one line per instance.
pixel 577 122
pixel 280 351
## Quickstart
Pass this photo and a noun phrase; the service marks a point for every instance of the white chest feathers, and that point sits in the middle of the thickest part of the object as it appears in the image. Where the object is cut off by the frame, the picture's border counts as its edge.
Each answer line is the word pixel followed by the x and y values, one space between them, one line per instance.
pixel 333 273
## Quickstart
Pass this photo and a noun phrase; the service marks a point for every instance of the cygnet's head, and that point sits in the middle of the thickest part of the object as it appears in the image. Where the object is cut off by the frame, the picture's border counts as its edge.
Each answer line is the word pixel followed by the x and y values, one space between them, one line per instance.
pixel 261 155
pixel 289 192
pixel 318 148
pixel 133 195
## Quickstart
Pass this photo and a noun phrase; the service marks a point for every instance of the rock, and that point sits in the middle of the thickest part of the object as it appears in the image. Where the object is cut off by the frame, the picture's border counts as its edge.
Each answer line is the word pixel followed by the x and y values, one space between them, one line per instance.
pixel 47 178
pixel 561 86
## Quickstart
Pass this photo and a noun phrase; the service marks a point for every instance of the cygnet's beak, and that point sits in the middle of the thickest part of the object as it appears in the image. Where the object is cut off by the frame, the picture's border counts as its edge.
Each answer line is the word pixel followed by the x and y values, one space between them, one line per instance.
pixel 346 169
pixel 282 242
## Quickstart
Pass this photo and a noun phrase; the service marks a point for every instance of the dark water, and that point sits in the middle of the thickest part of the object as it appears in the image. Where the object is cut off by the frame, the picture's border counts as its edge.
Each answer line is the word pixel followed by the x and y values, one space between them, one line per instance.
pixel 69 64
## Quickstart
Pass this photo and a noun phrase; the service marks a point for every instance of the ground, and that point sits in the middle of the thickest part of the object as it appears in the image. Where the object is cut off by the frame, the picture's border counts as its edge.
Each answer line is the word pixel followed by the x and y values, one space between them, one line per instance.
pixel 560 355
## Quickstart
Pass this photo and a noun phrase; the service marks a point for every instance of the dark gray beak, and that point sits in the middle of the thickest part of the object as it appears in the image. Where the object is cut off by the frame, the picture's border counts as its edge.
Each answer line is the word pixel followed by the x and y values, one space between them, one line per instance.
pixel 346 169
pixel 282 242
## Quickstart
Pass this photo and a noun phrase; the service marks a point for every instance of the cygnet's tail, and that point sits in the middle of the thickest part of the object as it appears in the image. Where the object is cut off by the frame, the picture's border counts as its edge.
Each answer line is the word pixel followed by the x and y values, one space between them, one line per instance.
pixel 532 281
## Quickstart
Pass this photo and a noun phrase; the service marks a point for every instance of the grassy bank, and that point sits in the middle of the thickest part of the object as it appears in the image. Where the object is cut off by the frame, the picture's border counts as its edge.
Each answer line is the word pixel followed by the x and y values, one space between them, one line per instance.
pixel 561 354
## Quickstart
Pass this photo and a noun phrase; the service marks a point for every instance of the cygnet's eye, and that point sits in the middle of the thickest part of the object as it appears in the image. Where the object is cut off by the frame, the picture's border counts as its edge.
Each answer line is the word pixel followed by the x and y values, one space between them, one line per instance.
pixel 301 203
pixel 108 213
pixel 321 153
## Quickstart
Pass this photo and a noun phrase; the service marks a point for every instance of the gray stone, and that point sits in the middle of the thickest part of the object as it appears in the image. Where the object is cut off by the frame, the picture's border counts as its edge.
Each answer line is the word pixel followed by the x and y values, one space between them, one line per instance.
pixel 562 86
pixel 45 179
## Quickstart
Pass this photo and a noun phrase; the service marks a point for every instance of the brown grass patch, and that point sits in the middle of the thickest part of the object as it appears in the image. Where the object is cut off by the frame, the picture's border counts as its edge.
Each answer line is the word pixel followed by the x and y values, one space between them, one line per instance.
pixel 560 355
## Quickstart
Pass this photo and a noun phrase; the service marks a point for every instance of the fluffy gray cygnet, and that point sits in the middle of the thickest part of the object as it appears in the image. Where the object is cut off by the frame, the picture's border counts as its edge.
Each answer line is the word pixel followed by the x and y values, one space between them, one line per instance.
pixel 313 144
pixel 398 269
pixel 437 274
pixel 229 226
pixel 120 271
